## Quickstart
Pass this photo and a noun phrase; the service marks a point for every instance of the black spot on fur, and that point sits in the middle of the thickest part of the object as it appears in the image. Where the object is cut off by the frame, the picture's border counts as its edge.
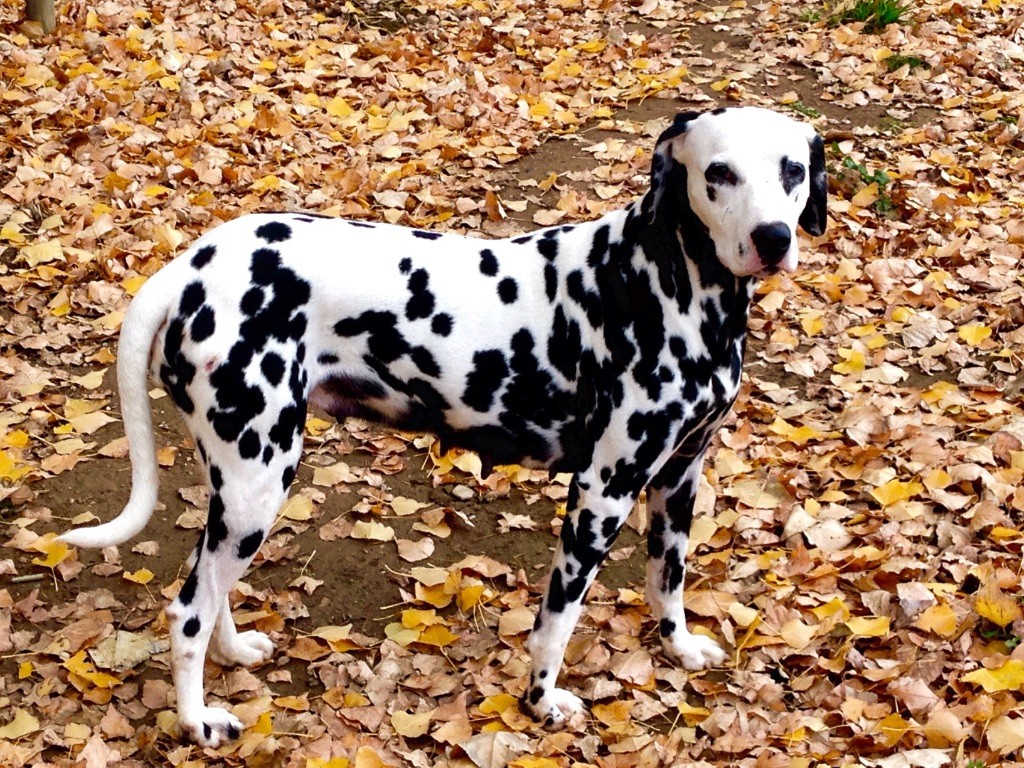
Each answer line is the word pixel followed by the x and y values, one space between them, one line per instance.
pixel 441 324
pixel 216 531
pixel 251 301
pixel 424 235
pixel 666 627
pixel 274 232
pixel 188 589
pixel 203 256
pixel 490 370
pixel 192 298
pixel 192 627
pixel 405 266
pixel 273 368
pixel 424 360
pixel 287 476
pixel 508 290
pixel 421 304
pixel 326 358
pixel 488 263
pixel 249 545
pixel 203 324
pixel 249 446
pixel 385 342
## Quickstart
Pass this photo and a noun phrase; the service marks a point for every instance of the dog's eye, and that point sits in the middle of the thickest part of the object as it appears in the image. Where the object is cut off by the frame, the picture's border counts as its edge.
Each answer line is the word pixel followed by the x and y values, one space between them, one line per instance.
pixel 720 173
pixel 792 172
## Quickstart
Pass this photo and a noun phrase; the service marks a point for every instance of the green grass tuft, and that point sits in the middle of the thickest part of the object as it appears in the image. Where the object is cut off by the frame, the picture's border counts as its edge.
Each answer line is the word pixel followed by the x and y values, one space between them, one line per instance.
pixel 875 14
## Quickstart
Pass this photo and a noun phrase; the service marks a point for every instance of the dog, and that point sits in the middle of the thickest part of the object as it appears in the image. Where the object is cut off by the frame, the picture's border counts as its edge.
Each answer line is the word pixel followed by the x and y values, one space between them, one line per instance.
pixel 610 349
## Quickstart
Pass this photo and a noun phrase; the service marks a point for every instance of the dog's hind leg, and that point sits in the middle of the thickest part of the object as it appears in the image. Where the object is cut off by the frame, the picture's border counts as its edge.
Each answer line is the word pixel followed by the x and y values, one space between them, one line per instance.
pixel 670 500
pixel 245 496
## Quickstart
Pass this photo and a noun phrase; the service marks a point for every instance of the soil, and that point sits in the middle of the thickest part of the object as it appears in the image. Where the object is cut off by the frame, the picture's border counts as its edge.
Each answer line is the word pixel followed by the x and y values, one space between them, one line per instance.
pixel 361 582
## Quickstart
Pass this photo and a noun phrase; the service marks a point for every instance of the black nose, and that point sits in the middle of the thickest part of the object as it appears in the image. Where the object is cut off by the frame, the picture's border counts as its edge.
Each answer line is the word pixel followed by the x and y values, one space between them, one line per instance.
pixel 772 242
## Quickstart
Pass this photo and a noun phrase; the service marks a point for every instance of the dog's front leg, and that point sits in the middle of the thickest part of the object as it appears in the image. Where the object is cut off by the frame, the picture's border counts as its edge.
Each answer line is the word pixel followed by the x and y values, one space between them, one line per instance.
pixel 591 524
pixel 670 499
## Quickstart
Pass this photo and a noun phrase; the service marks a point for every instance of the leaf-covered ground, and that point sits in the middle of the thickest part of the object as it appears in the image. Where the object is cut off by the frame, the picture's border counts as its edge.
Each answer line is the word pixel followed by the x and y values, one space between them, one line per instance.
pixel 861 548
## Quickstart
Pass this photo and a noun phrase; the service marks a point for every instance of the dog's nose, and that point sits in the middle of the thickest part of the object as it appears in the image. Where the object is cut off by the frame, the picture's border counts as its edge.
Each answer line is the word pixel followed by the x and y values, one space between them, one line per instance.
pixel 772 242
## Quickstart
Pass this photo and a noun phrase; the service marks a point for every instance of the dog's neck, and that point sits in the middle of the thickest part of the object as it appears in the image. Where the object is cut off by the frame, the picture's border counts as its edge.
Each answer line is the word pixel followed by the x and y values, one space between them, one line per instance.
pixel 679 245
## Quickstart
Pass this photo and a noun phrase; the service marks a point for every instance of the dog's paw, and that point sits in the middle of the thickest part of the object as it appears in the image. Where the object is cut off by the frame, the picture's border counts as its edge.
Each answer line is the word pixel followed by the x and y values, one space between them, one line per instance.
pixel 556 707
pixel 211 727
pixel 694 652
pixel 245 649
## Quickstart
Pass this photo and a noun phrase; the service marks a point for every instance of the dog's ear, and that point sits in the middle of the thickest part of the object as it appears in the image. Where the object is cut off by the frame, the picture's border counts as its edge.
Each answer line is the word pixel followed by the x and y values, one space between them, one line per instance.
pixel 814 216
pixel 662 163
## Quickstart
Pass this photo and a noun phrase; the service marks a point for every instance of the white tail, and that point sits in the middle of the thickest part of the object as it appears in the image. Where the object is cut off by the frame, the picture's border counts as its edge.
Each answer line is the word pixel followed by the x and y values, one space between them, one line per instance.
pixel 143 319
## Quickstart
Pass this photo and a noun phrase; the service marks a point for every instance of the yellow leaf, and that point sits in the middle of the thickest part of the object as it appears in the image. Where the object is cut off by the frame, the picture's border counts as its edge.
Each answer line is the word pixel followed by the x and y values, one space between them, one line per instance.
pixel 22 724
pixel 264 725
pixel 12 468
pixel 292 703
pixel 797 634
pixel 470 596
pixel 974 333
pixel 531 761
pixel 614 713
pixel 693 715
pixel 141 576
pixel 853 361
pixel 56 551
pixel 868 626
pixel 47 250
pixel 78 665
pixel 132 284
pixel 404 506
pixel 1008 677
pixel 540 109
pixel 411 725
pixel 1005 734
pixel 865 196
pixel 831 608
pixel 401 635
pixel 367 757
pixel 993 604
pixel 895 491
pixel 940 619
pixel 338 107
pixel 812 322
pixel 298 508
pixel 892 727
pixel 25 669
pixel 498 703
pixel 437 635
pixel 413 618
pixel 322 762
pixel 372 530
pixel 266 183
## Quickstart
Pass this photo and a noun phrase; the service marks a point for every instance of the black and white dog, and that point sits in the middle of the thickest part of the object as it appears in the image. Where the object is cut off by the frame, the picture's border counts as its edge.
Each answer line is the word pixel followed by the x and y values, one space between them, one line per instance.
pixel 610 349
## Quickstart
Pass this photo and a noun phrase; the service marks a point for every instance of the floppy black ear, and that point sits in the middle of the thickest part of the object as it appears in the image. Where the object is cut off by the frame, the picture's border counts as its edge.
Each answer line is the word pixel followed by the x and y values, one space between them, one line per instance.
pixel 662 163
pixel 814 216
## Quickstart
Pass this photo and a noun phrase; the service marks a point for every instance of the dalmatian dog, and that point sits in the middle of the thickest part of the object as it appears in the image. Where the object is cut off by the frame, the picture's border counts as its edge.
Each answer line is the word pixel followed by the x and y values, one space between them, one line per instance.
pixel 610 349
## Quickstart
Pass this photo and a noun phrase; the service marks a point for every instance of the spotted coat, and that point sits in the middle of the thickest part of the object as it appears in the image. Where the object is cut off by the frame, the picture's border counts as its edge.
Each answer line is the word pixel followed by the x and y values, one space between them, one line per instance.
pixel 610 349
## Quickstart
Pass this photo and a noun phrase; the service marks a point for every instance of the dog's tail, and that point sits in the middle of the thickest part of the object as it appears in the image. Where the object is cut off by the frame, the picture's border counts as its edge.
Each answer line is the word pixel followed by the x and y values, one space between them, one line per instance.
pixel 147 312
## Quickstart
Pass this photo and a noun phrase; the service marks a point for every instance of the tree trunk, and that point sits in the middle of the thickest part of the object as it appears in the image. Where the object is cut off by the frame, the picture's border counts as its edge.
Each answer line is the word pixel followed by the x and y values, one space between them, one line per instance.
pixel 43 12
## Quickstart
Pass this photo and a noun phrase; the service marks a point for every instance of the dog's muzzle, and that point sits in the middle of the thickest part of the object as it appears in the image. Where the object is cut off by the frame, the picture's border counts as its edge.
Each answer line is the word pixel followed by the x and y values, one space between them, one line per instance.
pixel 772 242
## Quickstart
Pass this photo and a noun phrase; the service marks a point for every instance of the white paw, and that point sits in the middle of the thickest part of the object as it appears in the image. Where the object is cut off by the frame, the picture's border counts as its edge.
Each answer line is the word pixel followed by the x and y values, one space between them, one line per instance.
pixel 694 652
pixel 556 706
pixel 211 727
pixel 245 649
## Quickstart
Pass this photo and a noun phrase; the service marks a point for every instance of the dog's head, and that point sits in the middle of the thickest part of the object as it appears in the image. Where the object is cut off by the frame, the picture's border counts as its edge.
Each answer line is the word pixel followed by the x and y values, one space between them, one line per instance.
pixel 749 176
